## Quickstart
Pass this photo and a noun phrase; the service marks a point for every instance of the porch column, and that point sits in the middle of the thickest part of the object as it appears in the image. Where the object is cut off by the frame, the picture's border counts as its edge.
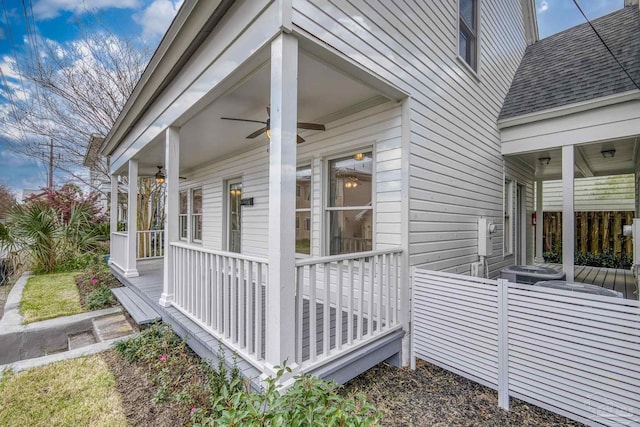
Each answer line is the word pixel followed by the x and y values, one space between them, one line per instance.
pixel 568 221
pixel 132 221
pixel 280 307
pixel 171 207
pixel 539 221
pixel 113 210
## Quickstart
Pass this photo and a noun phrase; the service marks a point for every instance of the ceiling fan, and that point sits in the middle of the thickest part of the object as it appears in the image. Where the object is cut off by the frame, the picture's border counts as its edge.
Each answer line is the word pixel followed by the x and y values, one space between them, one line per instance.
pixel 267 126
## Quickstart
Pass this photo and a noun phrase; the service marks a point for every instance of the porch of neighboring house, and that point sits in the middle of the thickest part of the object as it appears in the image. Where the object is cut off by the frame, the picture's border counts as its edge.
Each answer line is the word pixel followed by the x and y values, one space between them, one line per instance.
pixel 243 263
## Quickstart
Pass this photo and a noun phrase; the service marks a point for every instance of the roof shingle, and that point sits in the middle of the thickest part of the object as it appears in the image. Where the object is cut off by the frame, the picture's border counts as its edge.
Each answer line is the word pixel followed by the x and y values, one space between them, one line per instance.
pixel 574 66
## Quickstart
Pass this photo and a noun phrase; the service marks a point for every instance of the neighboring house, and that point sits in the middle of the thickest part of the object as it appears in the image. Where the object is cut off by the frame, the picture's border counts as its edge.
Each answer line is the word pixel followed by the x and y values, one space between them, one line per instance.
pixel 268 239
pixel 595 194
pixel 573 110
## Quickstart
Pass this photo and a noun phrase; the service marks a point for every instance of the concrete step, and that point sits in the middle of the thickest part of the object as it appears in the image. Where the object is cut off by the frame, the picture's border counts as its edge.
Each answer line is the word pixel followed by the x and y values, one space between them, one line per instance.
pixel 110 327
pixel 81 339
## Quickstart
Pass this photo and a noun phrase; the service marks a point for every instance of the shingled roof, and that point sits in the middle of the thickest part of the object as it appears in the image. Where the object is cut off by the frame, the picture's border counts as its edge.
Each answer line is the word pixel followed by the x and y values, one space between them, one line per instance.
pixel 574 66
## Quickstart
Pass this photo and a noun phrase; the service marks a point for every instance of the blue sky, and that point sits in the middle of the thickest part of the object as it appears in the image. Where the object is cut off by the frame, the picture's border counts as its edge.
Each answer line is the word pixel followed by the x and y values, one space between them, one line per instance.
pixel 146 21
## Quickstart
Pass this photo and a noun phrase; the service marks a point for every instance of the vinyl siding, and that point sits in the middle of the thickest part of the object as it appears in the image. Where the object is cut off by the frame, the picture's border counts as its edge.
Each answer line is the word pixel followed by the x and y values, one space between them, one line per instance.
pixel 377 129
pixel 456 169
pixel 609 193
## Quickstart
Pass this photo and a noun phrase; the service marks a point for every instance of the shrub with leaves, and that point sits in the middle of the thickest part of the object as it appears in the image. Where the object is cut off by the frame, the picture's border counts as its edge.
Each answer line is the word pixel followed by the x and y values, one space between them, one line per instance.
pixel 100 298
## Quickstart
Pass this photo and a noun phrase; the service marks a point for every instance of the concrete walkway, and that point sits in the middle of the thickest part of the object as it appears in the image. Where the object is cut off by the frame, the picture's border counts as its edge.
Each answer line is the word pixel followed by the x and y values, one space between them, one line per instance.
pixel 12 317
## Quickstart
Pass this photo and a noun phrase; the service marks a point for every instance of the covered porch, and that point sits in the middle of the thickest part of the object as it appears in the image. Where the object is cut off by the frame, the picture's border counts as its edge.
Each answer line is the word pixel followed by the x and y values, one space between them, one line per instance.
pixel 249 264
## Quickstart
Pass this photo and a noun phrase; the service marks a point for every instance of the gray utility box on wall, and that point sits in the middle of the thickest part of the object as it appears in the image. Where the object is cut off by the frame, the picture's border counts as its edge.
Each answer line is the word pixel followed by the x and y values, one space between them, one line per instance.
pixel 530 274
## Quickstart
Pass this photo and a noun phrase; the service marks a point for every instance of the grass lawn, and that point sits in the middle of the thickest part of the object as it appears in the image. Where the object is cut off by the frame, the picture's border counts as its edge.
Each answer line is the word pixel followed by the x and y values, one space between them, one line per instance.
pixel 50 295
pixel 75 392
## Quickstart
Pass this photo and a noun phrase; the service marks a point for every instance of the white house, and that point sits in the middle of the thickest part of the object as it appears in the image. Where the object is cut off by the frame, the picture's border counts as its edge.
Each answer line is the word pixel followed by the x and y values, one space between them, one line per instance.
pixel 288 242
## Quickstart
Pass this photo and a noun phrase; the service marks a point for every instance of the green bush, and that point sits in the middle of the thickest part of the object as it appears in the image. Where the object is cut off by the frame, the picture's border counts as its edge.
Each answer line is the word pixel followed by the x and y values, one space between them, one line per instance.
pixel 607 259
pixel 100 298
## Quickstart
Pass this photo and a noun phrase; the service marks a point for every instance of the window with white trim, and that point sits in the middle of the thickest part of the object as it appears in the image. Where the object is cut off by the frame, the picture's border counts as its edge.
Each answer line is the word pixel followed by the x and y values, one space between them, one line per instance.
pixel 183 216
pixel 507 236
pixel 468 32
pixel 196 215
pixel 303 210
pixel 349 210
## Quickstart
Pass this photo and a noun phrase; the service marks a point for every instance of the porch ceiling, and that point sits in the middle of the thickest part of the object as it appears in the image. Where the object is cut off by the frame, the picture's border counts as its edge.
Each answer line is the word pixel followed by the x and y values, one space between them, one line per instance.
pixel 589 160
pixel 325 94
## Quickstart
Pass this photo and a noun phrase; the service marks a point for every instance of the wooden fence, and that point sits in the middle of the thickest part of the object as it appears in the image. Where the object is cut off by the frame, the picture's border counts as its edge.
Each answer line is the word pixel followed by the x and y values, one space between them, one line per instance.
pixel 596 232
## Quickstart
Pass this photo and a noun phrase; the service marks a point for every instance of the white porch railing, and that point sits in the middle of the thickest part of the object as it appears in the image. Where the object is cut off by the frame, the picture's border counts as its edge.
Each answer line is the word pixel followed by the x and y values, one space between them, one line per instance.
pixel 150 244
pixel 225 293
pixel 343 301
pixel 118 249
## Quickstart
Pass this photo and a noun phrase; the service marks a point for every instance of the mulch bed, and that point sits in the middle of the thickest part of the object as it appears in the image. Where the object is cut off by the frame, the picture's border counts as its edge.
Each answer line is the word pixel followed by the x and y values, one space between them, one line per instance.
pixel 88 282
pixel 431 396
pixel 137 396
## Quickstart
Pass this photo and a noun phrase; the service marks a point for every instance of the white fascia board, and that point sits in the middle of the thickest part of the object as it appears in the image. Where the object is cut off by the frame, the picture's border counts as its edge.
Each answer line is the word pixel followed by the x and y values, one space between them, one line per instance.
pixel 217 67
pixel 609 122
pixel 569 109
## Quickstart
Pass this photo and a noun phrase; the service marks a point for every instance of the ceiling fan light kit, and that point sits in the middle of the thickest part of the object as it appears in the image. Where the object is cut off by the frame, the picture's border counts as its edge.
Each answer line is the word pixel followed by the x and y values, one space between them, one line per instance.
pixel 267 126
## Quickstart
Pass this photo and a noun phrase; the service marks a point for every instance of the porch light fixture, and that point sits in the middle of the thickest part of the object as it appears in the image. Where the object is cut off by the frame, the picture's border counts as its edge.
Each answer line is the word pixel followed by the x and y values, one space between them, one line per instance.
pixel 358 156
pixel 235 192
pixel 544 161
pixel 159 175
pixel 268 133
pixel 608 154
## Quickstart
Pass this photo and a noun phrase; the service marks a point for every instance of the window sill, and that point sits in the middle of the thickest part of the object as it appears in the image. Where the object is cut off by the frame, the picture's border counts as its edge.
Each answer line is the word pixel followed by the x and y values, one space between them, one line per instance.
pixel 467 68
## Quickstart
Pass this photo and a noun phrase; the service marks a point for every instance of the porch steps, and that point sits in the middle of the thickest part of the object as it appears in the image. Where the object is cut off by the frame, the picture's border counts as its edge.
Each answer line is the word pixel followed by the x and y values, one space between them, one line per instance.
pixel 140 311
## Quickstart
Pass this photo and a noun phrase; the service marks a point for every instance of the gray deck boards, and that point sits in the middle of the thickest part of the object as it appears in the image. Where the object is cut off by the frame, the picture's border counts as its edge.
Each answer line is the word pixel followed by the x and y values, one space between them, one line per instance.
pixel 617 279
pixel 140 311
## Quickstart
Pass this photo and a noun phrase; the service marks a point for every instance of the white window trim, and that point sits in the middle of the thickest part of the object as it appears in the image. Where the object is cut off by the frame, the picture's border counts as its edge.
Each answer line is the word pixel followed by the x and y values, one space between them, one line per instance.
pixel 309 210
pixel 475 73
pixel 189 215
pixel 326 209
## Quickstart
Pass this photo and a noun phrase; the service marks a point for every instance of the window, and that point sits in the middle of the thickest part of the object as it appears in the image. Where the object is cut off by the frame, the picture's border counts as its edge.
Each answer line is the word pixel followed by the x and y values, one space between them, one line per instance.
pixel 468 32
pixel 507 236
pixel 183 216
pixel 349 208
pixel 303 210
pixel 234 217
pixel 196 215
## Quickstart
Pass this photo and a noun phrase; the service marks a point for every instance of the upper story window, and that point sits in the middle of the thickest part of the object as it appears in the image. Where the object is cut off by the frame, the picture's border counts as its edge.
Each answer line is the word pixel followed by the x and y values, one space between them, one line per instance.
pixel 468 32
pixel 303 210
pixel 350 205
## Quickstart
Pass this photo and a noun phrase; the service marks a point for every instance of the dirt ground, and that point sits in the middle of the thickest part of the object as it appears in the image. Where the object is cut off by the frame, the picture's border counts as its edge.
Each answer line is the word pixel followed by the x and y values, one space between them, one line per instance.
pixel 430 396
pixel 4 293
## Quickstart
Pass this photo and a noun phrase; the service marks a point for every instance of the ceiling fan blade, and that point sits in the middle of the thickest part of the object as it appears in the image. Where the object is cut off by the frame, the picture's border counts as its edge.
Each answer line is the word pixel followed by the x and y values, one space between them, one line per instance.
pixel 300 139
pixel 257 133
pixel 268 111
pixel 243 120
pixel 312 126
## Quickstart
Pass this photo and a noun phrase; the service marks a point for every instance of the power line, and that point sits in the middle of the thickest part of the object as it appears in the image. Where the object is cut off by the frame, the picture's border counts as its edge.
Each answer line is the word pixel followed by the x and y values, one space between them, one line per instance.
pixel 605 44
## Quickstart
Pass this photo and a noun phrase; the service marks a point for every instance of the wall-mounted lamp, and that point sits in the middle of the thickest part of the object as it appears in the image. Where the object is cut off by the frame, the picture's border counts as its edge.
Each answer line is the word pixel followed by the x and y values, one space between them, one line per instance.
pixel 544 161
pixel 608 154
pixel 358 156
pixel 159 175
pixel 268 133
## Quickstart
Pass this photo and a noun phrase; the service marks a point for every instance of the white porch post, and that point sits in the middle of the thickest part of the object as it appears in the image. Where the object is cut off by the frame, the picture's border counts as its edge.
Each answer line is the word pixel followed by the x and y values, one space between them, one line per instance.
pixel 113 211
pixel 171 207
pixel 280 307
pixel 539 221
pixel 132 221
pixel 568 226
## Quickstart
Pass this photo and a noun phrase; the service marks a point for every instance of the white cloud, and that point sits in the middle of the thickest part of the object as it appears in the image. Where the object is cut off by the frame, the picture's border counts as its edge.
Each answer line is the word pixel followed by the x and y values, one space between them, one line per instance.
pixel 156 17
pixel 543 6
pixel 47 9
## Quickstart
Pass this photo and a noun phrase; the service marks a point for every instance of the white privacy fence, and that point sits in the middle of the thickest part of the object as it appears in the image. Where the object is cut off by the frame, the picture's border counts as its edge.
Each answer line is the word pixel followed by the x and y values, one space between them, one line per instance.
pixel 118 249
pixel 345 300
pixel 223 292
pixel 150 244
pixel 572 353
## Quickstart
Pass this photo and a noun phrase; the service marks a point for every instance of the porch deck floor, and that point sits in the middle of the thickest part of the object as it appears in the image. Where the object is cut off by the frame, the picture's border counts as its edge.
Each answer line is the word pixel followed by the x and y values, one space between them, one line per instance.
pixel 617 279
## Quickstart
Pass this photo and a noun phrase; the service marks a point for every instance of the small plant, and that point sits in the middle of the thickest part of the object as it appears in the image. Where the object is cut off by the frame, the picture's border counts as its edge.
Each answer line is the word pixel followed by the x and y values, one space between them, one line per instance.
pixel 100 298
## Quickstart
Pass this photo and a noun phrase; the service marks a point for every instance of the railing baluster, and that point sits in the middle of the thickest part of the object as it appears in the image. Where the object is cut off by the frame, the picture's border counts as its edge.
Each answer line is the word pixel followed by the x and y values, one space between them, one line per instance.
pixel 388 286
pixel 259 323
pixel 251 345
pixel 380 260
pixel 219 295
pixel 339 273
pixel 242 304
pixel 360 324
pixel 326 327
pixel 299 312
pixel 372 269
pixel 351 284
pixel 312 313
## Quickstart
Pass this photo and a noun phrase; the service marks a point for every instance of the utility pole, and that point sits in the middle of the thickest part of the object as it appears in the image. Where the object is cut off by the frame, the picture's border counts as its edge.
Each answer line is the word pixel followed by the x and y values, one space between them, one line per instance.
pixel 50 181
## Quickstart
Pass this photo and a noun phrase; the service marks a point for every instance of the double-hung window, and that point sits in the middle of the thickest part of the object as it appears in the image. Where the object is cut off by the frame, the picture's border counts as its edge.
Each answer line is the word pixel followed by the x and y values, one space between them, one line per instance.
pixel 303 210
pixel 196 215
pixel 183 224
pixel 468 32
pixel 349 207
